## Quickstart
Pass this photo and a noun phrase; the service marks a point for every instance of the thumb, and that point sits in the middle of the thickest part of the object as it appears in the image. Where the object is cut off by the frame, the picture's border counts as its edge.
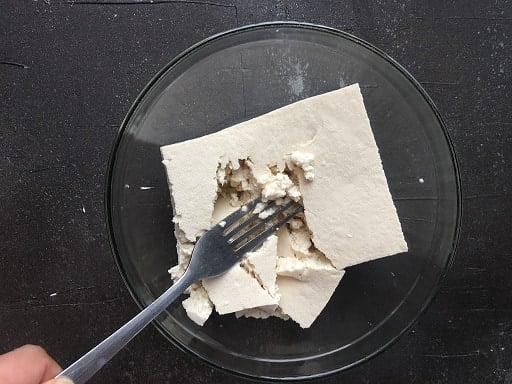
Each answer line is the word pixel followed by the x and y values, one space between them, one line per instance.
pixel 62 380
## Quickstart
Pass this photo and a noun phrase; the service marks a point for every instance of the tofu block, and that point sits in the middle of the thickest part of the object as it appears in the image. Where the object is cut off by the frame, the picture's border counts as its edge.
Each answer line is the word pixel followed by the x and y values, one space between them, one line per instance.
pixel 320 151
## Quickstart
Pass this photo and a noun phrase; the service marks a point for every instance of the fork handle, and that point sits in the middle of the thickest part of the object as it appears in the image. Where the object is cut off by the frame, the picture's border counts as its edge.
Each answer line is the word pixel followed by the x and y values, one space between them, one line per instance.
pixel 90 363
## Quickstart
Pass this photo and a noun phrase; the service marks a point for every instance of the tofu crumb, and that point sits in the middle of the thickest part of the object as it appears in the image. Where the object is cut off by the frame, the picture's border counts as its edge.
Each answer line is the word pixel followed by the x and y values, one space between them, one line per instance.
pixel 259 208
pixel 275 186
pixel 304 161
pixel 266 213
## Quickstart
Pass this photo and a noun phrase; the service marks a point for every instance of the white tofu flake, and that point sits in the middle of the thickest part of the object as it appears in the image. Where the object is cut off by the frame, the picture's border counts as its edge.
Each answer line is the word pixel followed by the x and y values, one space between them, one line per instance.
pixel 198 306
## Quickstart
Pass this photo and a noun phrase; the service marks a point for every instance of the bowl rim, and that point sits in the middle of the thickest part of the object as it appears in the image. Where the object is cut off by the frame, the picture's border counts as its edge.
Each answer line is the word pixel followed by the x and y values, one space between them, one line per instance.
pixel 268 25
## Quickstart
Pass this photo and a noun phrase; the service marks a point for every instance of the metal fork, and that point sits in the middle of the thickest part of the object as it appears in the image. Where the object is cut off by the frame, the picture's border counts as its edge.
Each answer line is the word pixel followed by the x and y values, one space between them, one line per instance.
pixel 215 252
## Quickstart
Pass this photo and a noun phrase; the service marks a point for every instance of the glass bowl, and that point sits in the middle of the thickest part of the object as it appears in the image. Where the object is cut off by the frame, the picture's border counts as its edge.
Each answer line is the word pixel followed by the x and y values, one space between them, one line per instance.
pixel 246 72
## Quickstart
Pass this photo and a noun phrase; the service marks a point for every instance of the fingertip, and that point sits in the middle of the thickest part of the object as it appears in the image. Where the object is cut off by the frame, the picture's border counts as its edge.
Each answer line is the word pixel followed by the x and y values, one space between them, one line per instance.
pixel 33 350
pixel 60 380
pixel 39 360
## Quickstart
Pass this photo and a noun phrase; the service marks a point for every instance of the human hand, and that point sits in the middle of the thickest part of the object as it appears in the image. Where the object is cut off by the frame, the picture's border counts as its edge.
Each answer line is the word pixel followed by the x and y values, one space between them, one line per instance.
pixel 29 364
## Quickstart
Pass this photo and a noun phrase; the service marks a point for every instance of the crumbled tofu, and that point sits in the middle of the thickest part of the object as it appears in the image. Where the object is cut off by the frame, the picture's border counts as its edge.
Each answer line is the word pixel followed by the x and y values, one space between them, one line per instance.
pixel 275 186
pixel 198 306
pixel 303 300
pixel 304 161
pixel 245 287
pixel 322 154
pixel 260 207
pixel 266 213
pixel 262 263
pixel 263 313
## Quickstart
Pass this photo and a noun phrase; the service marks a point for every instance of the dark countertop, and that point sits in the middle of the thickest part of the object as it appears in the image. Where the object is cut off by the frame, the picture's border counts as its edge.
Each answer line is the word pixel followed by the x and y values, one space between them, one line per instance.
pixel 69 70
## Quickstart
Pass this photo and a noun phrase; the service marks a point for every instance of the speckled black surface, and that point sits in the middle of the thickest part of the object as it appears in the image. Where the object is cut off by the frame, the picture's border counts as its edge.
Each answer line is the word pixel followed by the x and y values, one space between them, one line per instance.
pixel 69 71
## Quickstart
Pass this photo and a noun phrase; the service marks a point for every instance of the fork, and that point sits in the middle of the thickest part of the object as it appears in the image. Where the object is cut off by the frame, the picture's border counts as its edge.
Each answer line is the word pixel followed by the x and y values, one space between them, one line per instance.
pixel 216 251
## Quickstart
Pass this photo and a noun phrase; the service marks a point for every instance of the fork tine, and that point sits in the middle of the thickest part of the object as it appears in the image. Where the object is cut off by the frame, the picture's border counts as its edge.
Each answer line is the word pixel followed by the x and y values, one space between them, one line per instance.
pixel 257 240
pixel 241 212
pixel 234 229
pixel 244 230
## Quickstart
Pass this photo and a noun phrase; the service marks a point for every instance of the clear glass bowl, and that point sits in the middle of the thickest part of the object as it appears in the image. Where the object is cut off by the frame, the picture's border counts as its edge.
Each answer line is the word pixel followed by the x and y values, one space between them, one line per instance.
pixel 244 73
